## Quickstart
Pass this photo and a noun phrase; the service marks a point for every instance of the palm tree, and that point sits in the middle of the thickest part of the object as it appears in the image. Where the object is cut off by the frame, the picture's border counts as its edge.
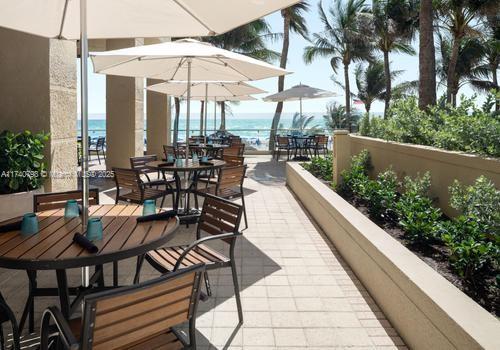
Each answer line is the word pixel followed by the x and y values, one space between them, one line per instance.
pixel 394 27
pixel 469 66
pixel 293 21
pixel 302 123
pixel 459 17
pixel 249 39
pixel 177 104
pixel 335 117
pixel 343 39
pixel 426 56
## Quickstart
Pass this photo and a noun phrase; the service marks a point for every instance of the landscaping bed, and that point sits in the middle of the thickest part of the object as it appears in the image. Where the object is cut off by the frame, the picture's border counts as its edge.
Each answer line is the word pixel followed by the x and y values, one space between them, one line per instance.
pixel 464 250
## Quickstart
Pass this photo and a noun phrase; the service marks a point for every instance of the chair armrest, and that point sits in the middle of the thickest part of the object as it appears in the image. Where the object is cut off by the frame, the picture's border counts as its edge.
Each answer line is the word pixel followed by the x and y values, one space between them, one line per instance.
pixel 203 240
pixel 67 338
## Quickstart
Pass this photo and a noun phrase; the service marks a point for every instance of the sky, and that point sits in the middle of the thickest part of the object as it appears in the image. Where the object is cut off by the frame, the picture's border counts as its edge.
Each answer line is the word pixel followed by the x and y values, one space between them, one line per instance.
pixel 318 74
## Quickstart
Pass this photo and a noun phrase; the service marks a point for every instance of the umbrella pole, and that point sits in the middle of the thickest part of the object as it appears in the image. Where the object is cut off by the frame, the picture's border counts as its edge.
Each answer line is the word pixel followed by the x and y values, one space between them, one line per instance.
pixel 300 106
pixel 215 114
pixel 84 53
pixel 188 109
pixel 205 110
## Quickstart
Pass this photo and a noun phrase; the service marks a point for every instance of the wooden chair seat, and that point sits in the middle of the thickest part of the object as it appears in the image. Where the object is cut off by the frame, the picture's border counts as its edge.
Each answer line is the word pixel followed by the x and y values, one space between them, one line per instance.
pixel 226 193
pixel 164 259
pixel 149 193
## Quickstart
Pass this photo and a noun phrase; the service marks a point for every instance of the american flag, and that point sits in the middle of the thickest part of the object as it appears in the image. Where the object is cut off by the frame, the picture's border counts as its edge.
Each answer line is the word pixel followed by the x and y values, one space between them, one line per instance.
pixel 358 102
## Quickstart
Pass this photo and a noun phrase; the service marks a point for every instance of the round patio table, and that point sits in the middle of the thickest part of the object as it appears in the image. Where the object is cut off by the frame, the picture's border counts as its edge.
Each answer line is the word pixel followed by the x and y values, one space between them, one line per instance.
pixel 190 171
pixel 52 248
pixel 301 145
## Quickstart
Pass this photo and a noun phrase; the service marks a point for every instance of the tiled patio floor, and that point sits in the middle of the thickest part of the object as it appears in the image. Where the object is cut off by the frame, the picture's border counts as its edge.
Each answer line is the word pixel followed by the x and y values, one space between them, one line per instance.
pixel 297 291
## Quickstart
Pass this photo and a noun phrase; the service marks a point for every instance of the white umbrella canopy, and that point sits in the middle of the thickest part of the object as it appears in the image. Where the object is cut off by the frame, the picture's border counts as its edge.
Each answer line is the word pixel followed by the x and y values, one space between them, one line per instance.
pixel 169 61
pixel 206 89
pixel 298 93
pixel 134 19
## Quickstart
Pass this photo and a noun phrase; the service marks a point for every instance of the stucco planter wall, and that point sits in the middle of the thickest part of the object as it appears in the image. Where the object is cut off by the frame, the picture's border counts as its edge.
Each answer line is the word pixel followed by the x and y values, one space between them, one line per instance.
pixel 406 159
pixel 427 310
pixel 16 204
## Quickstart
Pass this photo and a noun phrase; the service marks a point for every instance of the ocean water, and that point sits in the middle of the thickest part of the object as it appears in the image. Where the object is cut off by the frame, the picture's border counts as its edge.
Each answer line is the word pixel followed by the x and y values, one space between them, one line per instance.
pixel 254 128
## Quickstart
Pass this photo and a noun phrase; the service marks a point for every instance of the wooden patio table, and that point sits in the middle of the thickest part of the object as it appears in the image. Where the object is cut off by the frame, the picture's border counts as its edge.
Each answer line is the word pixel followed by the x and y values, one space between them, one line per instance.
pixel 52 248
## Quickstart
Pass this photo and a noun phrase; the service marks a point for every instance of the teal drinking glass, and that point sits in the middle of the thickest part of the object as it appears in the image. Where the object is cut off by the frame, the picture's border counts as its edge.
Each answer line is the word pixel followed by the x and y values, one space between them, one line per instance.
pixel 204 159
pixel 170 158
pixel 71 209
pixel 94 229
pixel 29 224
pixel 178 162
pixel 149 207
pixel 195 157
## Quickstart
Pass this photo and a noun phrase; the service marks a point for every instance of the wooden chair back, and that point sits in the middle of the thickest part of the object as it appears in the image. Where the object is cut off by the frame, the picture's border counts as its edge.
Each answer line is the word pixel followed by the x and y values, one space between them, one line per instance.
pixel 100 143
pixel 180 152
pixel 233 160
pixel 139 163
pixel 57 200
pixel 230 177
pixel 125 317
pixel 219 216
pixel 283 141
pixel 128 178
pixel 321 140
pixel 234 150
pixel 168 150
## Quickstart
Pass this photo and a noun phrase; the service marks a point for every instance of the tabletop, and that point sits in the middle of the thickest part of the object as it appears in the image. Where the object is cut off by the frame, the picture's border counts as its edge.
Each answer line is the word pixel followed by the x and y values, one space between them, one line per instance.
pixel 191 166
pixel 53 248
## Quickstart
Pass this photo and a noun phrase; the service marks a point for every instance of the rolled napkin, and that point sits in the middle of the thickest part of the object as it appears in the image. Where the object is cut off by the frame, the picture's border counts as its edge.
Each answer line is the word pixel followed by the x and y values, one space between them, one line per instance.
pixel 84 242
pixel 12 226
pixel 164 215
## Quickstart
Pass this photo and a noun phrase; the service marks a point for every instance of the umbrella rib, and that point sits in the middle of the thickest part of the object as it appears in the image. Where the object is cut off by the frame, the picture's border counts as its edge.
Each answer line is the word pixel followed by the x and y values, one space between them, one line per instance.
pixel 178 67
pixel 210 31
pixel 228 65
pixel 63 19
pixel 118 64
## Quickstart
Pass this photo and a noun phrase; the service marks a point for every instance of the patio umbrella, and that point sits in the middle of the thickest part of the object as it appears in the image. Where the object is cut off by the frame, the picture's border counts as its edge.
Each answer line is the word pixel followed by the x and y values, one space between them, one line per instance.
pixel 67 19
pixel 204 91
pixel 185 60
pixel 298 93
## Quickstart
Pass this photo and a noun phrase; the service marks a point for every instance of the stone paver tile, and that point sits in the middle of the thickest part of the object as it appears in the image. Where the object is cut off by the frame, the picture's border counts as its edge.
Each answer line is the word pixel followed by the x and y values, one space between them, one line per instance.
pixel 290 337
pixel 258 336
pixel 227 336
pixel 286 319
pixel 257 319
pixel 282 304
pixel 329 319
pixel 332 337
pixel 309 304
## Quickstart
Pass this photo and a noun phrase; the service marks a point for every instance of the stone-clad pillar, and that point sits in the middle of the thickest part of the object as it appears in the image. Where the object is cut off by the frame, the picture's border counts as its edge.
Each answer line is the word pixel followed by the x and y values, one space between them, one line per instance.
pixel 158 120
pixel 124 113
pixel 38 93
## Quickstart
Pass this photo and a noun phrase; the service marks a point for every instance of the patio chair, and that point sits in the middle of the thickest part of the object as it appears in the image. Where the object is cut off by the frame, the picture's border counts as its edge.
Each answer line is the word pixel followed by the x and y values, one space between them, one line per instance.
pixel 229 185
pixel 136 317
pixel 130 179
pixel 139 163
pixel 234 140
pixel 320 144
pixel 234 150
pixel 219 219
pixel 57 200
pixel 98 148
pixel 7 316
pixel 211 178
pixel 283 143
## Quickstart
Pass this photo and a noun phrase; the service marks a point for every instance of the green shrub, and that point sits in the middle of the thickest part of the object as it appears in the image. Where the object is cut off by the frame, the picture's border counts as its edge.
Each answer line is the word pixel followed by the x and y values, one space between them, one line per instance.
pixel 354 180
pixel 469 250
pixel 473 237
pixel 321 167
pixel 464 128
pixel 418 218
pixel 381 194
pixel 21 161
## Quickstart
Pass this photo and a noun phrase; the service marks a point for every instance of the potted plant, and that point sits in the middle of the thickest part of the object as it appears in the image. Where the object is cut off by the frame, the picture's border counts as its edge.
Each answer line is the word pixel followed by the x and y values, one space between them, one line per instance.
pixel 22 171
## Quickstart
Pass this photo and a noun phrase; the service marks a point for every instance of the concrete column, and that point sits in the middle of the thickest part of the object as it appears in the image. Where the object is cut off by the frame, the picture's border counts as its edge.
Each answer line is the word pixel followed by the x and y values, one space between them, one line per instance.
pixel 341 153
pixel 124 113
pixel 38 93
pixel 158 120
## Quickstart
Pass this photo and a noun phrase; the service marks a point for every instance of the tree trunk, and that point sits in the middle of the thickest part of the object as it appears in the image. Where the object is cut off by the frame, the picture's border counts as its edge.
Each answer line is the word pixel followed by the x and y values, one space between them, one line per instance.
pixel 495 83
pixel 388 83
pixel 281 78
pixel 177 104
pixel 347 96
pixel 202 117
pixel 222 116
pixel 451 78
pixel 368 106
pixel 426 57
